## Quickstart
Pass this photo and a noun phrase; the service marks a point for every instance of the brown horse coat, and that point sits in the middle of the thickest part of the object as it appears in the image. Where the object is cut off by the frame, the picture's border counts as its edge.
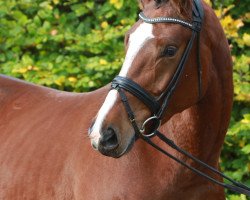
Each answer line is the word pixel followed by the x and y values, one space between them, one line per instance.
pixel 45 152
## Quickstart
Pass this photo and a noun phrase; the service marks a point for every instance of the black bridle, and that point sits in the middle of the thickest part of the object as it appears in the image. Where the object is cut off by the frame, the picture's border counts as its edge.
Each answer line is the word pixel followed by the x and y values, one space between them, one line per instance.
pixel 158 109
pixel 151 102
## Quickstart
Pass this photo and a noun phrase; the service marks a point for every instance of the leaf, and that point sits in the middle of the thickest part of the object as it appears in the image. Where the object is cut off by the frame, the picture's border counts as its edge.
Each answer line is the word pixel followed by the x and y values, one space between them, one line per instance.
pixel 246 149
pixel 246 39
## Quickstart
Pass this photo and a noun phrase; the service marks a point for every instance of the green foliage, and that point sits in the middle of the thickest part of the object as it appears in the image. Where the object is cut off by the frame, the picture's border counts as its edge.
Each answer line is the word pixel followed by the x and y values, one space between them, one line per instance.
pixel 68 45
pixel 235 19
pixel 77 45
pixel 236 150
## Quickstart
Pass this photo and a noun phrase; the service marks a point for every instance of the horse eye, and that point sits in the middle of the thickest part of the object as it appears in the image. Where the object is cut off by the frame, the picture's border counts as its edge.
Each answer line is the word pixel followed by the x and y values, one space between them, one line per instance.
pixel 170 51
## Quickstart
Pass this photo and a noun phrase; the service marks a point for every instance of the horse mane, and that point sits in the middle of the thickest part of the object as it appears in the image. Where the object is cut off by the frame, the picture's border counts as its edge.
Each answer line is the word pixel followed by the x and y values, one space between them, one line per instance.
pixel 183 8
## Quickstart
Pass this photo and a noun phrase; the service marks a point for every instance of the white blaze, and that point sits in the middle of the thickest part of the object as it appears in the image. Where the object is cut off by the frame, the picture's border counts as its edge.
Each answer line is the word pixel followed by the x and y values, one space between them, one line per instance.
pixel 137 39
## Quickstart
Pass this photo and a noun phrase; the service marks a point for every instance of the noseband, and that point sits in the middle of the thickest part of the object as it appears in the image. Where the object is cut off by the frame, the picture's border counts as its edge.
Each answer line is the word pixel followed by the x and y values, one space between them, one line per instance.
pixel 158 109
pixel 122 83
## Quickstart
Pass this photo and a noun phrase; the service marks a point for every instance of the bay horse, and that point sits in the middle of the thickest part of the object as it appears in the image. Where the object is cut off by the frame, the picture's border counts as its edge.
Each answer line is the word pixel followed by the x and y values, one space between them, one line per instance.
pixel 44 147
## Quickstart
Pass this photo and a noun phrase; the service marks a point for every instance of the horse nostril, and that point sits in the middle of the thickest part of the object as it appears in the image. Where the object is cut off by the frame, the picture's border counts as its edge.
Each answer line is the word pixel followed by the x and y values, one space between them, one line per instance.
pixel 109 139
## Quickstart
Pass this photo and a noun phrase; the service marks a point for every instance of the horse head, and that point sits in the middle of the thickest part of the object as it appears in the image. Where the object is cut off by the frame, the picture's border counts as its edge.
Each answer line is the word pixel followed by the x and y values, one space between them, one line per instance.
pixel 155 49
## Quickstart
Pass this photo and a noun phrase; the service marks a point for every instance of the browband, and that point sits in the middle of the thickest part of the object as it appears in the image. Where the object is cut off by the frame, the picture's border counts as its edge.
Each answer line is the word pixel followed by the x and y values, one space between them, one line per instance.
pixel 165 20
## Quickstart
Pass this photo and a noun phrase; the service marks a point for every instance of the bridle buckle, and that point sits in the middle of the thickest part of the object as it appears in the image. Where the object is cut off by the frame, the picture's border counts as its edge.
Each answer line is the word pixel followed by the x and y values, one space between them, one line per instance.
pixel 152 132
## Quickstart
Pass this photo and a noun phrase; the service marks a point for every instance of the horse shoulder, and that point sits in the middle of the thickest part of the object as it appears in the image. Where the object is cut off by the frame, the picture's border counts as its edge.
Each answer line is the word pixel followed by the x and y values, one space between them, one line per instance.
pixel 41 132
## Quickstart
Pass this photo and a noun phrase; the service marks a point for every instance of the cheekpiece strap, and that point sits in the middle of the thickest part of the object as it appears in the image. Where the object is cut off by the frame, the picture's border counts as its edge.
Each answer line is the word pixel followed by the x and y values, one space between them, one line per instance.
pixel 198 10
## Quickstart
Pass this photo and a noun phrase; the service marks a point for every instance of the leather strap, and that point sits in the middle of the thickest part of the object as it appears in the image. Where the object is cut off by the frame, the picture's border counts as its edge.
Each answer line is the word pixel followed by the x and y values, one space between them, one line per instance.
pixel 236 187
pixel 137 91
pixel 198 10
pixel 166 95
pixel 165 20
pixel 120 83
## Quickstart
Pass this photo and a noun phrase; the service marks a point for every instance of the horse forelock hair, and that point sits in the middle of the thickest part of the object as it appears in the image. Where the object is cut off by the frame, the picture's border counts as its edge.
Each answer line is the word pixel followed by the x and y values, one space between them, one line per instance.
pixel 183 8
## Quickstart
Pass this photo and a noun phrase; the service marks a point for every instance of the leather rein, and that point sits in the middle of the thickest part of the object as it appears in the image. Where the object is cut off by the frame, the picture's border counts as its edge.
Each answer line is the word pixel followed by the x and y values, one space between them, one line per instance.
pixel 122 83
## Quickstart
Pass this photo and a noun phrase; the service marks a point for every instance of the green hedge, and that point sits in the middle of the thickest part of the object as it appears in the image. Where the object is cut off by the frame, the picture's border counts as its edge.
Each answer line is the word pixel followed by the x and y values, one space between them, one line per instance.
pixel 235 159
pixel 78 46
pixel 71 46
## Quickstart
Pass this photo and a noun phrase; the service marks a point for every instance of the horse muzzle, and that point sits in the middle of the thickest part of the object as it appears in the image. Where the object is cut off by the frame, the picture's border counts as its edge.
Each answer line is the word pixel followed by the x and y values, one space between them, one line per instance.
pixel 106 142
pixel 109 143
